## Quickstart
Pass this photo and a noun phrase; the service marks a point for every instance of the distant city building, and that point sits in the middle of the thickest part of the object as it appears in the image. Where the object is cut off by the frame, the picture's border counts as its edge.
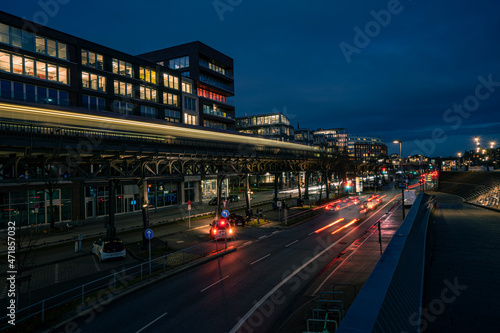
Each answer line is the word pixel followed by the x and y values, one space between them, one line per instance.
pixel 273 125
pixel 366 148
pixel 319 140
pixel 212 75
pixel 304 136
pixel 336 138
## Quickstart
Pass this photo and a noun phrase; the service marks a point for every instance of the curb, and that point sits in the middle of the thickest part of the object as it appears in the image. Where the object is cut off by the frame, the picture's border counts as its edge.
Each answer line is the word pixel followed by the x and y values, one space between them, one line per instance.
pixel 140 286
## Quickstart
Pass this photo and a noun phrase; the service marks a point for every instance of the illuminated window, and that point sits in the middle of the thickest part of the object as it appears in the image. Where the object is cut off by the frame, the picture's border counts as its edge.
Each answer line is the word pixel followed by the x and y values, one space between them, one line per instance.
pixel 5 62
pixel 190 119
pixel 93 81
pixel 211 95
pixel 123 68
pixel 21 65
pixel 170 99
pixel 123 88
pixel 147 74
pixel 187 87
pixel 171 81
pixel 147 94
pixel 92 59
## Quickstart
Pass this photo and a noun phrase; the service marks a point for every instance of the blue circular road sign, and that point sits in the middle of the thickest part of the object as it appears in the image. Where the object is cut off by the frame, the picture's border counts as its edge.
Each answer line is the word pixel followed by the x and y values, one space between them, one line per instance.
pixel 225 213
pixel 148 233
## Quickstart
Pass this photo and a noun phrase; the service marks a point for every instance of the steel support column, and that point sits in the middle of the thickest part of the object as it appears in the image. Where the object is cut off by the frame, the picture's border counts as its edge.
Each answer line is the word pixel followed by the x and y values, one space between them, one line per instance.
pixel 110 228
pixel 143 189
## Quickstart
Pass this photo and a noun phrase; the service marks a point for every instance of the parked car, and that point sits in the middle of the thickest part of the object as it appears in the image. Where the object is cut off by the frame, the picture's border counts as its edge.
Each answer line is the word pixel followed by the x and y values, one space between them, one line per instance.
pixel 236 219
pixel 107 249
pixel 221 229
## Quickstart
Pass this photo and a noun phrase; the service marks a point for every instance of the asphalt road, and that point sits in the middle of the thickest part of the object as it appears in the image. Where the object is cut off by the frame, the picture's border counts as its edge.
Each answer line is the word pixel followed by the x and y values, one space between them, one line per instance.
pixel 245 291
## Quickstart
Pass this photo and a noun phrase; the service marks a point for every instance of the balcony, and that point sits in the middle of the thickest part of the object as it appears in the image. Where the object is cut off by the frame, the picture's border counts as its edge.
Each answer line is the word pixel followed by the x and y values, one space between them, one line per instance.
pixel 216 83
pixel 210 111
pixel 212 67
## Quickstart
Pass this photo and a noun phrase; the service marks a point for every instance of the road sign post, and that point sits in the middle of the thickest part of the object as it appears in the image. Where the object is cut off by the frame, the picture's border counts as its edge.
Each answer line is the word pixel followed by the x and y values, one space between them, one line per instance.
pixel 149 235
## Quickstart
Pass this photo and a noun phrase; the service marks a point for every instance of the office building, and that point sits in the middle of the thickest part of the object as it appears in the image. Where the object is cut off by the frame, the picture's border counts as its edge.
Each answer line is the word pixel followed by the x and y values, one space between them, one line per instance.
pixel 366 149
pixel 212 75
pixel 272 125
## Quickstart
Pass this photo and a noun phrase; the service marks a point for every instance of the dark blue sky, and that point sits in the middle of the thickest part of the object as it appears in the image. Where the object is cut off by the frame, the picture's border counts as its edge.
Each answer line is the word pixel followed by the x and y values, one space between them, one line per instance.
pixel 401 81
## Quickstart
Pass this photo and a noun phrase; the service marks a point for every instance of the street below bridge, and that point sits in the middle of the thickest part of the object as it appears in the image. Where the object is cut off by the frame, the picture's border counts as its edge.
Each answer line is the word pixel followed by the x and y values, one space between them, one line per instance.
pixel 245 291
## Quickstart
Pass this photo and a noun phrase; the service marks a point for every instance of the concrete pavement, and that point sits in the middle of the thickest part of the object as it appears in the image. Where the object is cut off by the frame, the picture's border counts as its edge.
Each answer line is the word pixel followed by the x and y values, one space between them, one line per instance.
pixel 462 274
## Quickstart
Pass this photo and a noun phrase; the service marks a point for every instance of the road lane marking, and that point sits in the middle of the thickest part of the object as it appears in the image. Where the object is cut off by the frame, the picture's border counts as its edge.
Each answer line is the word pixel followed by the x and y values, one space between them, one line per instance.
pixel 247 243
pixel 262 237
pixel 345 259
pixel 311 233
pixel 151 323
pixel 279 285
pixel 264 257
pixel 292 243
pixel 213 284
pixel 180 241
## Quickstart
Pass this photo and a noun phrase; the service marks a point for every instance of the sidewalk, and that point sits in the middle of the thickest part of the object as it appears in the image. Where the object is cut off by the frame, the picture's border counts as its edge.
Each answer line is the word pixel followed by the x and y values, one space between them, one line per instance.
pixel 175 217
pixel 461 272
pixel 346 274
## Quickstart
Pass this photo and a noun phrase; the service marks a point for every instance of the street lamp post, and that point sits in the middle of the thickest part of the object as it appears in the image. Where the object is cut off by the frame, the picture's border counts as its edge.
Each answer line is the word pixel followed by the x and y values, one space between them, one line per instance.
pixel 403 173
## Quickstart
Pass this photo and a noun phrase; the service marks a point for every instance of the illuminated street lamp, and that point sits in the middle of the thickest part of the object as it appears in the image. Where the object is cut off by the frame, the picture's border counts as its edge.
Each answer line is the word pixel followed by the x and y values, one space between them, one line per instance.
pixel 400 152
pixel 402 188
pixel 492 144
pixel 459 158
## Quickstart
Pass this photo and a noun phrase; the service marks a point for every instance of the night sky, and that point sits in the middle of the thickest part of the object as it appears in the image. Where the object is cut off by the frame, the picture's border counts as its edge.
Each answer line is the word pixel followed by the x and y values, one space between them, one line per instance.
pixel 414 70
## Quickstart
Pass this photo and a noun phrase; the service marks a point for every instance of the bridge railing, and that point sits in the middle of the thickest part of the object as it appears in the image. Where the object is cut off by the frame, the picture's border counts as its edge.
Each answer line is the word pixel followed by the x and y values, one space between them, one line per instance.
pixel 90 294
pixel 391 298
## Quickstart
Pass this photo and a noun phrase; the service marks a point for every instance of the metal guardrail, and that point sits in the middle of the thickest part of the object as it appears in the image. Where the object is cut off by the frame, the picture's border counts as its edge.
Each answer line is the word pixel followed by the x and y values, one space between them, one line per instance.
pixel 91 293
pixel 394 290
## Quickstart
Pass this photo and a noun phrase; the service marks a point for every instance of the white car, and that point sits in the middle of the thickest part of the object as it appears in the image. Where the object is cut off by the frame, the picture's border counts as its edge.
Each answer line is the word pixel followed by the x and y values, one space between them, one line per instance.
pixel 106 249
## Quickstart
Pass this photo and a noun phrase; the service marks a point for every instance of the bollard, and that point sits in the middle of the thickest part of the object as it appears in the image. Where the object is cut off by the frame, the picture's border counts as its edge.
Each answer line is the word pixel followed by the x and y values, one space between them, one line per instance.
pixel 76 247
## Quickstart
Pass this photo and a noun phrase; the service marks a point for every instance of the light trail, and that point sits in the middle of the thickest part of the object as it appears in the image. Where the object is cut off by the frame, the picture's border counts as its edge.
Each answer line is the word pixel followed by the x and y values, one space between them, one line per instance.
pixel 347 225
pixel 93 120
pixel 327 226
